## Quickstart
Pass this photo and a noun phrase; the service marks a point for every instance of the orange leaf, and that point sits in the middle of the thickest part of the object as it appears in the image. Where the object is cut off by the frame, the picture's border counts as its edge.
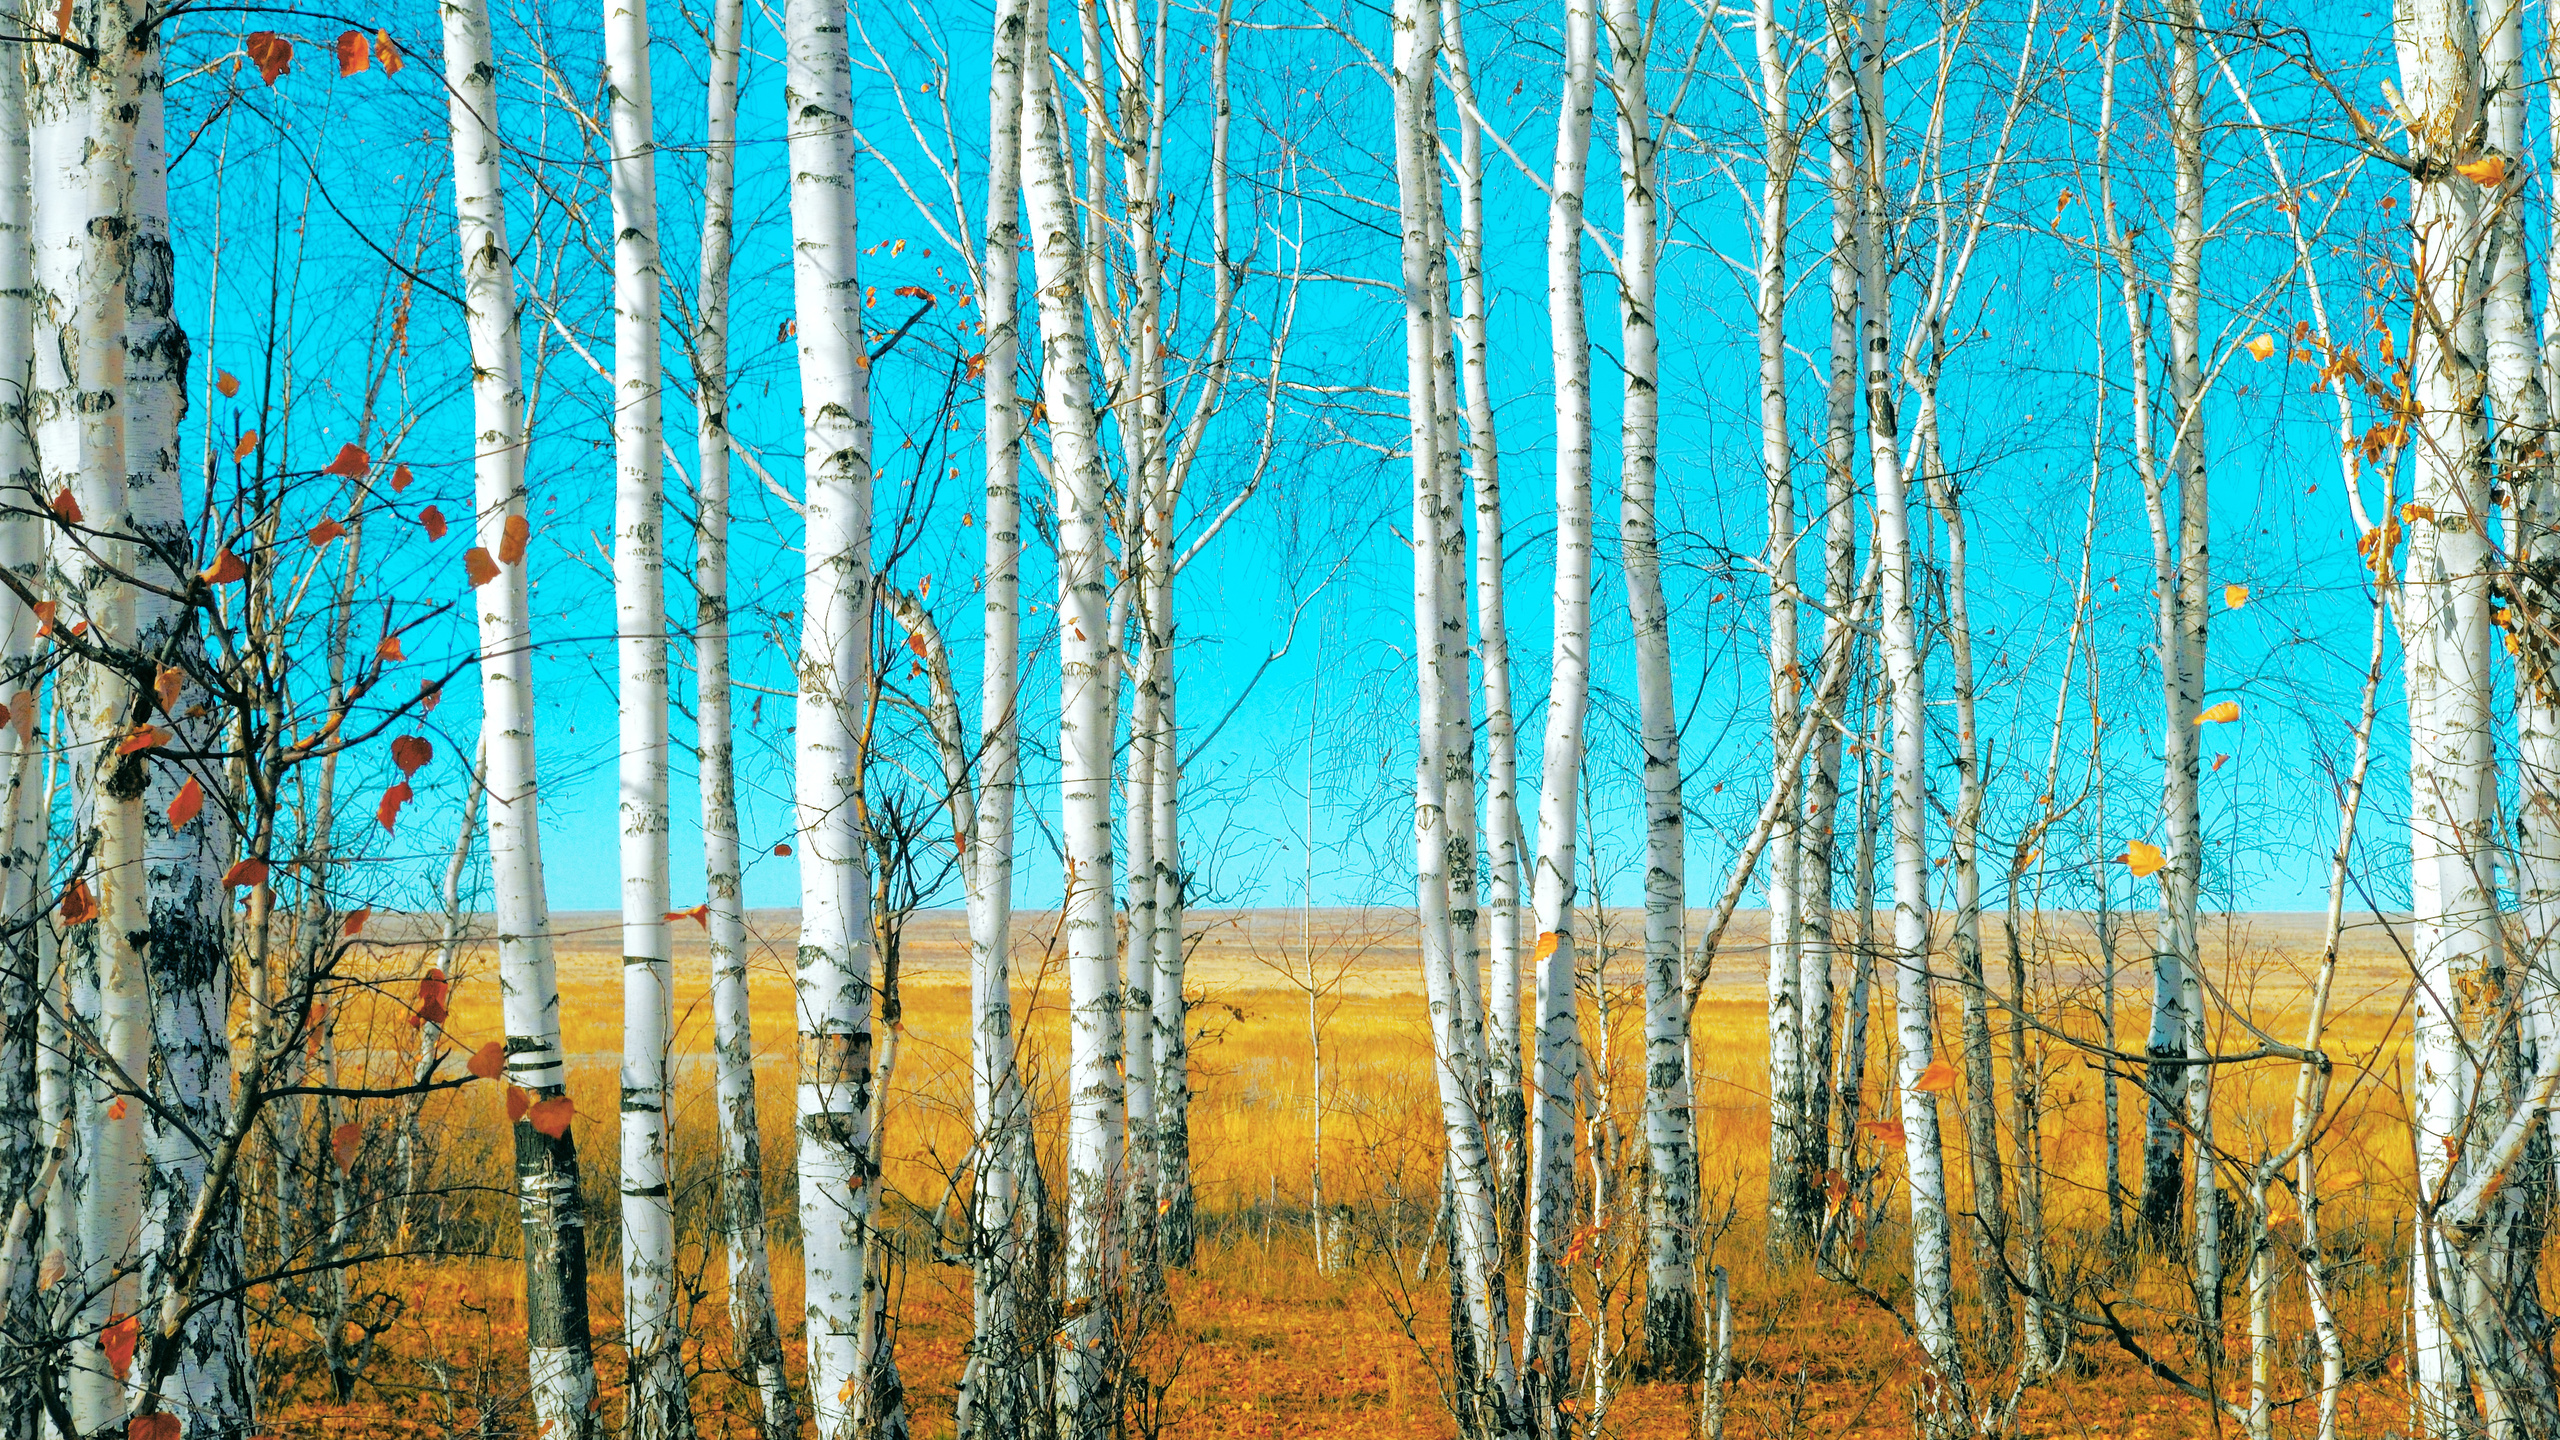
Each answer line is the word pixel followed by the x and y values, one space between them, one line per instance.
pixel 158 1425
pixel 22 708
pixel 344 1142
pixel 244 874
pixel 149 737
pixel 434 993
pixel 116 1111
pixel 1548 940
pixel 433 519
pixel 511 540
pixel 411 753
pixel 551 1117
pixel 1888 1131
pixel 2262 347
pixel 62 20
pixel 387 52
pixel 699 915
pixel 2143 858
pixel 519 1100
pixel 388 812
pixel 66 508
pixel 225 569
pixel 915 642
pixel 248 443
pixel 355 921
pixel 401 479
pixel 352 462
pixel 78 905
pixel 271 53
pixel 118 1341
pixel 355 54
pixel 2218 762
pixel 2222 714
pixel 429 692
pixel 227 383
pixel 167 686
pixel 44 618
pixel 189 802
pixel 2235 596
pixel 1939 1078
pixel 477 564
pixel 324 532
pixel 2488 170
pixel 489 1061
pixel 389 649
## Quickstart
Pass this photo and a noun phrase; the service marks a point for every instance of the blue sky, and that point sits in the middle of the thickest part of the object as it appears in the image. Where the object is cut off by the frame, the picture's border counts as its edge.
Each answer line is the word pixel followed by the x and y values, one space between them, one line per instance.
pixel 301 207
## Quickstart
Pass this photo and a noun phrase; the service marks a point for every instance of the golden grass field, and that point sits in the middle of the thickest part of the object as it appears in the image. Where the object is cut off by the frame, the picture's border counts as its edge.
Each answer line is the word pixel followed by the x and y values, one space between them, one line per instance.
pixel 1261 1342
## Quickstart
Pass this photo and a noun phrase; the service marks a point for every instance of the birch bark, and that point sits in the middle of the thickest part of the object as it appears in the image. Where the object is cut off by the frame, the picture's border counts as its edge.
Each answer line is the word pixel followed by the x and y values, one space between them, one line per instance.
pixel 561 1357
pixel 1551 1201
pixel 1818 862
pixel 26 1141
pixel 753 1325
pixel 1096 1116
pixel 1000 1389
pixel 832 975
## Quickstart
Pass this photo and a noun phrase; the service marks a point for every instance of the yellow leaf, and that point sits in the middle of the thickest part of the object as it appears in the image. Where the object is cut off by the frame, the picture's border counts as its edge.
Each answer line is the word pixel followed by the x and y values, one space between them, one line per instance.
pixel 1939 1078
pixel 2143 858
pixel 1547 941
pixel 2489 170
pixel 2222 714
pixel 2235 596
pixel 2264 347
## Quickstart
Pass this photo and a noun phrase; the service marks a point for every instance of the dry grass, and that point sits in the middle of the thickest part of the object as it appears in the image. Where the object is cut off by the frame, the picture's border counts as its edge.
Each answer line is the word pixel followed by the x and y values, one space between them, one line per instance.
pixel 1261 1342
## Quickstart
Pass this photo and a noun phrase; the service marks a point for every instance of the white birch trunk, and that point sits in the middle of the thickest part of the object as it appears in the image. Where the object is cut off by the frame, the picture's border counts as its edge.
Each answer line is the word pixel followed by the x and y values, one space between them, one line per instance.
pixel 1820 926
pixel 832 976
pixel 1671 1198
pixel 1932 1292
pixel 755 1330
pixel 561 1356
pixel 656 1407
pixel 999 1394
pixel 1548 1299
pixel 1085 1405
pixel 25 1139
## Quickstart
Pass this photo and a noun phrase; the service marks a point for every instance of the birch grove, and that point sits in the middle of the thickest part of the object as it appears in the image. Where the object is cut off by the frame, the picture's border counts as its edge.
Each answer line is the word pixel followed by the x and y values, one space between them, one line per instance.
pixel 2084 514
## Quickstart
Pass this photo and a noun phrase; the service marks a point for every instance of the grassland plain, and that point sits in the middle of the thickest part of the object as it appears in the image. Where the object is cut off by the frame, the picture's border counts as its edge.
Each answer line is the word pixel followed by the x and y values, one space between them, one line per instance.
pixel 1260 1340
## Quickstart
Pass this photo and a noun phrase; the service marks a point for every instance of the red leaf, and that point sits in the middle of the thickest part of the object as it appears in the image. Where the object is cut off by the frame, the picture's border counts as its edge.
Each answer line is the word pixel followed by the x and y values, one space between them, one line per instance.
pixel 433 994
pixel 355 921
pixel 388 812
pixel 477 564
pixel 511 540
pixel 429 692
pixel 271 53
pixel 401 479
pixel 225 569
pixel 344 1142
pixel 65 508
pixel 149 737
pixel 433 519
pixel 352 462
pixel 158 1425
pixel 245 873
pixel 699 915
pixel 551 1117
pixel 387 52
pixel 183 810
pixel 915 642
pixel 78 905
pixel 324 532
pixel 355 56
pixel 389 649
pixel 118 1341
pixel 782 849
pixel 519 1100
pixel 411 753
pixel 489 1061
pixel 22 708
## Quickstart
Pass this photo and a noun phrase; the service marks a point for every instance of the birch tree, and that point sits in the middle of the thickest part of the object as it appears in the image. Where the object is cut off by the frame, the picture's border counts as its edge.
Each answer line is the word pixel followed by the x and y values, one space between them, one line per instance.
pixel 752 1322
pixel 560 1355
pixel 831 979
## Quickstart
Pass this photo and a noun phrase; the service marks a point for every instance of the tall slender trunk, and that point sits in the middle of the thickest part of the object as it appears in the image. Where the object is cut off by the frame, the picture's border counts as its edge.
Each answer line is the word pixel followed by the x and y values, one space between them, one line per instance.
pixel 1793 1206
pixel 1819 850
pixel 1671 1199
pixel 560 1354
pixel 1086 1405
pixel 1508 1122
pixel 839 1177
pixel 1491 1405
pixel 657 1409
pixel 26 1141
pixel 1000 1390
pixel 755 1330
pixel 1548 1298
pixel 1932 1291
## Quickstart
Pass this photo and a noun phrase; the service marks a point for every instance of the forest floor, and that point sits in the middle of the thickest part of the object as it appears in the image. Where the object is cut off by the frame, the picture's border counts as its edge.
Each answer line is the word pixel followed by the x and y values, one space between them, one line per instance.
pixel 1260 1340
